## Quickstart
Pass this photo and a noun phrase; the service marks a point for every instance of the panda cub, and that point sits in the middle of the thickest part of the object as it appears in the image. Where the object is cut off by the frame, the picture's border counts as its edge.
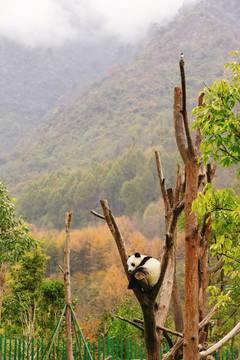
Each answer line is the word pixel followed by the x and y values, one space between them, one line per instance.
pixel 145 264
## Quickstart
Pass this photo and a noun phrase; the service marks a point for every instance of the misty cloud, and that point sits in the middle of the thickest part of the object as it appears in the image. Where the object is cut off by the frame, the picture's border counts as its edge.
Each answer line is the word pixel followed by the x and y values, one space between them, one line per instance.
pixel 52 22
pixel 35 22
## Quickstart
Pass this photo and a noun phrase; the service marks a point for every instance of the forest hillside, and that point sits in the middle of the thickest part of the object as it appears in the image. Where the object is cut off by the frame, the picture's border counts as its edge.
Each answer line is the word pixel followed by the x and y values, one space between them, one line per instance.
pixel 131 107
pixel 34 80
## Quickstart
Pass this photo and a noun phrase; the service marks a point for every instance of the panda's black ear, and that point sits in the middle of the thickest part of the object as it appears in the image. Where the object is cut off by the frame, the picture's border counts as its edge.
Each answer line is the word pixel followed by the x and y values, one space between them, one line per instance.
pixel 137 254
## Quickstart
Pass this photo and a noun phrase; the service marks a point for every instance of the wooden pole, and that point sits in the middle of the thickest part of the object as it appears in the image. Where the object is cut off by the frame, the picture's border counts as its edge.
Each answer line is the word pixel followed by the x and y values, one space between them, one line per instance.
pixel 69 346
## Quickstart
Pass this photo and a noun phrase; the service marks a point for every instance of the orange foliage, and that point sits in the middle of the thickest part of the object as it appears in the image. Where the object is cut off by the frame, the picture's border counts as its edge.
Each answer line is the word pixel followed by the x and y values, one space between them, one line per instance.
pixel 138 243
pixel 126 227
pixel 114 287
pixel 89 327
pixel 97 277
pixel 156 248
pixel 78 279
pixel 60 240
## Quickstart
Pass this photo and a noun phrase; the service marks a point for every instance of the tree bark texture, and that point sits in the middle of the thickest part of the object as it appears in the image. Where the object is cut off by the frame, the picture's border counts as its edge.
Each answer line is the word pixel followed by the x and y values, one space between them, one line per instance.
pixel 68 325
pixel 166 290
pixel 152 337
pixel 205 236
pixel 177 305
pixel 191 263
pixel 190 156
pixel 174 204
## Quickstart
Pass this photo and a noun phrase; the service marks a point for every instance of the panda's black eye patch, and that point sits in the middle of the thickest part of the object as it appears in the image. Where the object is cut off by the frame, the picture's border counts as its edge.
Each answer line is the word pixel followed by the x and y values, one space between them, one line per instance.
pixel 133 264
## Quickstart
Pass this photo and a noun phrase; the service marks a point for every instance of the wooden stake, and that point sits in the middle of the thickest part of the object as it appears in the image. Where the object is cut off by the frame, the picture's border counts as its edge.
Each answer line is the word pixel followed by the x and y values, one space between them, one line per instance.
pixel 69 346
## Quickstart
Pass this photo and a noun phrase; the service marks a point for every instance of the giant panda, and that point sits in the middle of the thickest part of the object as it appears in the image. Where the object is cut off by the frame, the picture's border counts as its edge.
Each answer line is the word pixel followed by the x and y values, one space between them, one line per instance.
pixel 149 266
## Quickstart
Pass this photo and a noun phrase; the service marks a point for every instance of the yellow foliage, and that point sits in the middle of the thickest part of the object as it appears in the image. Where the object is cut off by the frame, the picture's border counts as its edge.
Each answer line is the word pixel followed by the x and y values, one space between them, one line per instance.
pixel 114 287
pixel 137 242
pixel 97 277
pixel 126 226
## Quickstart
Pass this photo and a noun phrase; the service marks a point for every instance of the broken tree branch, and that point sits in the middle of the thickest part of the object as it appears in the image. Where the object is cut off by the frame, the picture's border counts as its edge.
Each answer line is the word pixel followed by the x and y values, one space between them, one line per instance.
pixel 172 198
pixel 129 322
pixel 184 108
pixel 216 267
pixel 172 352
pixel 60 267
pixel 110 220
pixel 178 122
pixel 198 138
pixel 170 331
pixel 116 234
pixel 212 312
pixel 162 182
pixel 98 215
pixel 220 343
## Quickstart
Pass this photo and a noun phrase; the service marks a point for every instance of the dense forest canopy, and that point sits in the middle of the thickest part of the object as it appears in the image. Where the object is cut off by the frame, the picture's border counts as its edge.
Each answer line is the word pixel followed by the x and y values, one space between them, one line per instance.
pixel 129 183
pixel 131 105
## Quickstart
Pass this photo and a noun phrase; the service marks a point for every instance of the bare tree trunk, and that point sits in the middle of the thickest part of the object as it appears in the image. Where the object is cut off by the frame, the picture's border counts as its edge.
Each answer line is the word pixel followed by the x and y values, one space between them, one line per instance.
pixel 191 264
pixel 205 235
pixel 152 337
pixel 69 346
pixel 166 290
pixel 174 204
pixel 177 306
pixel 146 300
pixel 2 284
pixel 190 155
pixel 203 278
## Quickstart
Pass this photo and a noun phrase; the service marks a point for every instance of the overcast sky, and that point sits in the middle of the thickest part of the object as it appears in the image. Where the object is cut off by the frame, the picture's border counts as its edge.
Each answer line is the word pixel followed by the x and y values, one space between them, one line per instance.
pixel 51 22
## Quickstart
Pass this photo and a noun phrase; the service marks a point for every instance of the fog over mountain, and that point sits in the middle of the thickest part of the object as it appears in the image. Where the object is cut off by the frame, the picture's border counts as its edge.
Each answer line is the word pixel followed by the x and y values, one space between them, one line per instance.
pixel 69 106
pixel 51 48
pixel 53 22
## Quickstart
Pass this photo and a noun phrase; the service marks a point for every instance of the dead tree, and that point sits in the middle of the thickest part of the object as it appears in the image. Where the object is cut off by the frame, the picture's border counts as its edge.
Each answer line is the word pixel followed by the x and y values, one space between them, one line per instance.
pixel 190 155
pixel 174 205
pixel 154 320
pixel 146 300
pixel 68 315
pixel 196 243
pixel 174 200
pixel 196 238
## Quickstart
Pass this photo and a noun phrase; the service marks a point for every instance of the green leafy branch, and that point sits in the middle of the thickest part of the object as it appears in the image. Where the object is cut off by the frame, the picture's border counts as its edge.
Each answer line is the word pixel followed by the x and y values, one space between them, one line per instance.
pixel 219 120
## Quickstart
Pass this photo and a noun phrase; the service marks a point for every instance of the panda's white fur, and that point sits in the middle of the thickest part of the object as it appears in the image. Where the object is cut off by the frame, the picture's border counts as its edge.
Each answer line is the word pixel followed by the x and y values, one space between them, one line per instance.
pixel 146 264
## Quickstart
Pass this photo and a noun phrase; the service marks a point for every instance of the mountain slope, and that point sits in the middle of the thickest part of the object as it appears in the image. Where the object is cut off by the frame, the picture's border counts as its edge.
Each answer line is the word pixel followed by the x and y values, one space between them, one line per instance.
pixel 132 106
pixel 34 80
